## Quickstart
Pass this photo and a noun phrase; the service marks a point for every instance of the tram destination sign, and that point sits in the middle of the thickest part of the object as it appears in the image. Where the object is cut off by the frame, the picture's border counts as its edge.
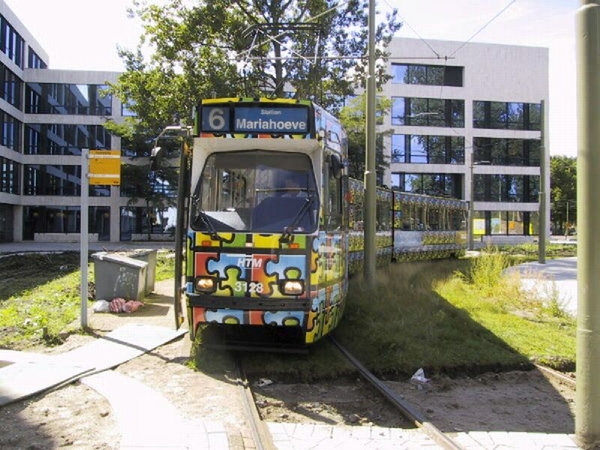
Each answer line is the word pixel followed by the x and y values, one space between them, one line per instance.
pixel 270 119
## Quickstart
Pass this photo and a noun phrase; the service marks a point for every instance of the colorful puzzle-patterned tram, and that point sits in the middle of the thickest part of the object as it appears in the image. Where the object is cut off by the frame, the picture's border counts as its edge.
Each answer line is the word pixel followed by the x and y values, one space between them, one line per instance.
pixel 275 225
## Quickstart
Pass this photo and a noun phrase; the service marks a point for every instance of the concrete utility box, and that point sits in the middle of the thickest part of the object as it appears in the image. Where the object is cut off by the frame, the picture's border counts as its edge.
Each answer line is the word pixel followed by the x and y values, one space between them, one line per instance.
pixel 148 256
pixel 119 276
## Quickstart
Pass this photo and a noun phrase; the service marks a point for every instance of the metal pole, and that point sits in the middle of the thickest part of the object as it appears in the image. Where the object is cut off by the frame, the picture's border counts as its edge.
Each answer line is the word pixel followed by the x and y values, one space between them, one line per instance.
pixel 180 228
pixel 83 252
pixel 471 206
pixel 587 399
pixel 567 223
pixel 370 167
pixel 543 188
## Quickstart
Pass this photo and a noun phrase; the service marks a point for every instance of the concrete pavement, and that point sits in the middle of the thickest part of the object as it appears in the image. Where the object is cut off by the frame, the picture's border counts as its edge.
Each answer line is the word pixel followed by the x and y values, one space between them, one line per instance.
pixel 554 280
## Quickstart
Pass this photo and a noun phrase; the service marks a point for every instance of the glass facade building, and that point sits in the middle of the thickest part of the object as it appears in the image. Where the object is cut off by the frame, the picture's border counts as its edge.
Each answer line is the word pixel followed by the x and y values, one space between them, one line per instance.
pixel 466 127
pixel 470 127
pixel 47 118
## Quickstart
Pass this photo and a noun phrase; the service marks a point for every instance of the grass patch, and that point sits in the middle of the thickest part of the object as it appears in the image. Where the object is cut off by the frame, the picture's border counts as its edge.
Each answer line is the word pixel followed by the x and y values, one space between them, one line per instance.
pixel 451 316
pixel 40 299
pixel 530 252
pixel 536 328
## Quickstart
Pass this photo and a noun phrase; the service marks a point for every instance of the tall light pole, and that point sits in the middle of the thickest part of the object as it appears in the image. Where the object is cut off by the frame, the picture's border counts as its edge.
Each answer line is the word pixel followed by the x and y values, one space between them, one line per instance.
pixel 177 132
pixel 543 189
pixel 370 167
pixel 471 226
pixel 471 207
pixel 587 399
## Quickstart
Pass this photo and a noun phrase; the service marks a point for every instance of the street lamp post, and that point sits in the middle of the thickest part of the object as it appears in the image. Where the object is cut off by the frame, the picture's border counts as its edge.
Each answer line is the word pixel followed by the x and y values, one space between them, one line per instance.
pixel 471 208
pixel 471 226
pixel 176 132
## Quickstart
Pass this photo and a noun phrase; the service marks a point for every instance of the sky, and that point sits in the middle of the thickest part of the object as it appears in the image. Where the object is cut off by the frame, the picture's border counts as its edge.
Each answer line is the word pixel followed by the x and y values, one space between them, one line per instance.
pixel 84 35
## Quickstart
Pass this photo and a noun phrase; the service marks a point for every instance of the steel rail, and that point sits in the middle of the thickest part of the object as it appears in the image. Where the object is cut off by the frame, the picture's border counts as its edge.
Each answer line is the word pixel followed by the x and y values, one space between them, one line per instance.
pixel 558 375
pixel 260 432
pixel 409 411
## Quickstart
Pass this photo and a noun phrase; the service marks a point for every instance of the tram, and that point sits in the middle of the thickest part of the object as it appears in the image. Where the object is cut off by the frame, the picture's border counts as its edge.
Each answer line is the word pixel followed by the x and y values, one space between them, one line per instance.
pixel 273 225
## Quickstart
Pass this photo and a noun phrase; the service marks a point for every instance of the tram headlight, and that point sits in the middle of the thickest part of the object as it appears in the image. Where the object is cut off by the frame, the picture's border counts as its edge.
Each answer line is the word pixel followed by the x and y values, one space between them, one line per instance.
pixel 292 287
pixel 204 284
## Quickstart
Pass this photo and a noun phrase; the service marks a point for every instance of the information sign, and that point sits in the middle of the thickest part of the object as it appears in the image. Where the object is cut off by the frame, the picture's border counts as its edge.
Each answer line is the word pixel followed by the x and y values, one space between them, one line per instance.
pixel 105 167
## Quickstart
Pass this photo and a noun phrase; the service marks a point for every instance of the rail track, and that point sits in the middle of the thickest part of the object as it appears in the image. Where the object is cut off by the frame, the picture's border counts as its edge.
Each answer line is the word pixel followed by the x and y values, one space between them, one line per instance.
pixel 261 434
pixel 557 375
pixel 258 429
pixel 408 410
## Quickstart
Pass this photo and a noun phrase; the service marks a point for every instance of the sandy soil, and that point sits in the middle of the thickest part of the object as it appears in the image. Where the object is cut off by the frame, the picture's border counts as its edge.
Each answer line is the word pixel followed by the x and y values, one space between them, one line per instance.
pixel 513 401
pixel 77 417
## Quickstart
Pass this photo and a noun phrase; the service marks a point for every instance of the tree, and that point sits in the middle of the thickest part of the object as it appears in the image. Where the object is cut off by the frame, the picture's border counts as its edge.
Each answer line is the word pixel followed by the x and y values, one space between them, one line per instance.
pixel 563 192
pixel 251 48
pixel 141 185
pixel 353 118
pixel 241 48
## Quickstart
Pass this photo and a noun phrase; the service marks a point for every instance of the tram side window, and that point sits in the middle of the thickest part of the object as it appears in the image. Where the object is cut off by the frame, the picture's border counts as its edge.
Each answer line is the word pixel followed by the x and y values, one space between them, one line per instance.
pixel 406 217
pixel 384 216
pixel 434 220
pixel 333 199
pixel 419 218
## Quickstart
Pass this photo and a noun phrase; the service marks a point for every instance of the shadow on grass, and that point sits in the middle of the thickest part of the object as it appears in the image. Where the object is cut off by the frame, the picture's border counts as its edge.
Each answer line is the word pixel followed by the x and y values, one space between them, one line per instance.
pixel 400 325
pixel 23 272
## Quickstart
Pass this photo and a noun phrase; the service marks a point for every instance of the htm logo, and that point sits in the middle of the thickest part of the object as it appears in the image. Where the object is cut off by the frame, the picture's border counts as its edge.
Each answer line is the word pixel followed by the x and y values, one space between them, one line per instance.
pixel 248 262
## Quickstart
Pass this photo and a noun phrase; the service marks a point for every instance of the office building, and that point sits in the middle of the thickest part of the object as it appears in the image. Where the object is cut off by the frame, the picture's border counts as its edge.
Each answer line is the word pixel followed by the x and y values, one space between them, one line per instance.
pixel 467 121
pixel 462 115
pixel 47 118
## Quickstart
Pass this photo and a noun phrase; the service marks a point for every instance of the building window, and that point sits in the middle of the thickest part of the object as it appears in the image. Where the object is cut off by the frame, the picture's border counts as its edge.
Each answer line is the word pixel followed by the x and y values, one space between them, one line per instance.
pixel 10 132
pixel 11 43
pixel 427 75
pixel 74 99
pixel 137 182
pixel 507 223
pixel 144 221
pixel 509 115
pixel 64 181
pixel 126 110
pixel 63 139
pixel 11 87
pixel 506 188
pixel 428 112
pixel 428 149
pixel 9 176
pixel 142 148
pixel 65 219
pixel 441 185
pixel 34 61
pixel 507 152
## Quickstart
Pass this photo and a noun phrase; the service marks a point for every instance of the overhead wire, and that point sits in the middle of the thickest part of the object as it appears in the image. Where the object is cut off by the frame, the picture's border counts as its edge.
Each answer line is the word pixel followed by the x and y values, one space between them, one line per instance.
pixel 483 27
pixel 455 51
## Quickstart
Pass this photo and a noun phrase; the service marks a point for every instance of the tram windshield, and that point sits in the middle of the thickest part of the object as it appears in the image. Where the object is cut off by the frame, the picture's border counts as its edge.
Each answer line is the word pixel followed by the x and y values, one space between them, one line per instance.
pixel 256 191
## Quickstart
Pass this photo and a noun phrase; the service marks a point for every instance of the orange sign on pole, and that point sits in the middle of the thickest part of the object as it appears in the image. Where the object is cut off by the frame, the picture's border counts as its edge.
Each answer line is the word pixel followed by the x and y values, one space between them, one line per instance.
pixel 105 167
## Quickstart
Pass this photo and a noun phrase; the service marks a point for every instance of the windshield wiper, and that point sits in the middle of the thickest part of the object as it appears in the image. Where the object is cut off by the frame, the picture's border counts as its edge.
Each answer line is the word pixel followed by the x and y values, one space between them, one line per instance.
pixel 287 231
pixel 204 218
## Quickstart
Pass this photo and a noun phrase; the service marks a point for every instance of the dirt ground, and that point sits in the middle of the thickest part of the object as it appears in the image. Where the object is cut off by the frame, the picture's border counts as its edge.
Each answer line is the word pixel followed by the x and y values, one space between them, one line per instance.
pixel 77 417
pixel 512 401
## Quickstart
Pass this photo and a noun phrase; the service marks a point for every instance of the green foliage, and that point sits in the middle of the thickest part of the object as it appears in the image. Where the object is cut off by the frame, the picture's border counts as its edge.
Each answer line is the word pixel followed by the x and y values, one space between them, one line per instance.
pixel 165 265
pixel 530 252
pixel 40 296
pixel 403 323
pixel 188 52
pixel 563 194
pixel 486 271
pixel 353 118
pixel 40 315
